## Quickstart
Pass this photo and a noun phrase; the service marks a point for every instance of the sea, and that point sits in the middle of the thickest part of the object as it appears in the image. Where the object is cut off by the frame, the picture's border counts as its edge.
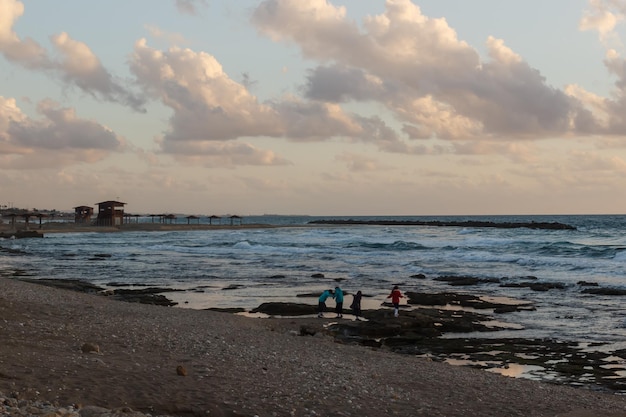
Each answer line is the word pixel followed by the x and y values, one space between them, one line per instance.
pixel 243 267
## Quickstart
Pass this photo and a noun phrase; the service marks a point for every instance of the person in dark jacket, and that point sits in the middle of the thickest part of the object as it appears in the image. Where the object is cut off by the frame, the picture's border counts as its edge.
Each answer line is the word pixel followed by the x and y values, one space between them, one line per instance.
pixel 356 304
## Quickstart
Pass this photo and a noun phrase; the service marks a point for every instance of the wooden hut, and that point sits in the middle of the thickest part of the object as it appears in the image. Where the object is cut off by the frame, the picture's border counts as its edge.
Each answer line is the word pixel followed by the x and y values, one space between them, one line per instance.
pixel 82 214
pixel 192 217
pixel 214 217
pixel 110 213
pixel 234 218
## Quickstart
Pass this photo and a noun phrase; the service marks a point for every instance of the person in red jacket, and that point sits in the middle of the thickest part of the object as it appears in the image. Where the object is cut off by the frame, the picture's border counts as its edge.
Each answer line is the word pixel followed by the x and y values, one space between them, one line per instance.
pixel 395 296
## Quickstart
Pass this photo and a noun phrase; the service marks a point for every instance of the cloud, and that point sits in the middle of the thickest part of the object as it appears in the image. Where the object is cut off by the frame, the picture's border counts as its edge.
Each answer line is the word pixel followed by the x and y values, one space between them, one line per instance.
pixel 208 106
pixel 26 52
pixel 77 66
pixel 171 38
pixel 190 6
pixel 435 84
pixel 220 154
pixel 58 138
pixel 81 67
pixel 361 163
pixel 603 16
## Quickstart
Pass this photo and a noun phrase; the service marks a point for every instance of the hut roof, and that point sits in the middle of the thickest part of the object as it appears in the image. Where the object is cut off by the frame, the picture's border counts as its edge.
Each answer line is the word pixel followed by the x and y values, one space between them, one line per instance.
pixel 111 203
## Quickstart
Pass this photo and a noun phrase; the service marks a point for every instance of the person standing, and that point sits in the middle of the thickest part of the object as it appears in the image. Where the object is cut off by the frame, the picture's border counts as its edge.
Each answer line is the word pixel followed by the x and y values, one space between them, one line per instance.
pixel 321 305
pixel 338 296
pixel 356 305
pixel 395 296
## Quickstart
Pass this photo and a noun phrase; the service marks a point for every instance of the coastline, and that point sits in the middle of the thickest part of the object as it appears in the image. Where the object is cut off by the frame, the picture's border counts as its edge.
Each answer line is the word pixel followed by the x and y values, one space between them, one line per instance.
pixel 240 366
pixel 129 227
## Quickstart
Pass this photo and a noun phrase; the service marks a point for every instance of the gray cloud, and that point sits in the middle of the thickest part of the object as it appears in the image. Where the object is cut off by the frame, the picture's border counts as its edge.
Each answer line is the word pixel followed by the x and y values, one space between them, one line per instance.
pixel 60 129
pixel 190 6
pixel 56 139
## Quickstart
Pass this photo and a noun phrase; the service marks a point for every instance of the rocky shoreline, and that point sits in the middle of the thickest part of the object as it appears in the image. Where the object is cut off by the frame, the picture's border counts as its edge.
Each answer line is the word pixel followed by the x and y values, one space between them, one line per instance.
pixel 65 352
pixel 419 332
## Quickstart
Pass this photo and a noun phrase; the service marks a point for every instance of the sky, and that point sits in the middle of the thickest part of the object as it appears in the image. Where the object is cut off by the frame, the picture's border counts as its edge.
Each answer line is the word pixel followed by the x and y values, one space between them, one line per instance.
pixel 318 107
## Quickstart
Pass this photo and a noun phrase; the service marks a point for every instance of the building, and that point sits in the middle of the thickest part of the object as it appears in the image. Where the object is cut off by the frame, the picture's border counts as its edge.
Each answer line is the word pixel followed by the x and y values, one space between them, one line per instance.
pixel 82 214
pixel 110 213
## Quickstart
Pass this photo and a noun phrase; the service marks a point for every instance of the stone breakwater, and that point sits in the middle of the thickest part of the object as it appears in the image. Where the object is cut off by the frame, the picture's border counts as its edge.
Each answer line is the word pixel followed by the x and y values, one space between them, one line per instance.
pixel 438 223
pixel 11 405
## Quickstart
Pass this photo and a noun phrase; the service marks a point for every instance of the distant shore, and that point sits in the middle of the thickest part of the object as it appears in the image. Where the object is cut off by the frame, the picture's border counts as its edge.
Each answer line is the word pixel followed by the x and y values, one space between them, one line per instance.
pixel 70 227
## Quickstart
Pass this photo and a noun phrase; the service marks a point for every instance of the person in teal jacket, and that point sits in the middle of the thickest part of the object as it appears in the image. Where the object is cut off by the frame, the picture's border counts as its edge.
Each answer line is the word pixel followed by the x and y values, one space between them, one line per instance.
pixel 321 305
pixel 338 296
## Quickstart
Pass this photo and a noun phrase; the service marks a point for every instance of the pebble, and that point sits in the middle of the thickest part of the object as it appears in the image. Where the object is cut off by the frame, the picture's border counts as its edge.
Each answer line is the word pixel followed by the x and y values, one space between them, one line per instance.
pixel 11 406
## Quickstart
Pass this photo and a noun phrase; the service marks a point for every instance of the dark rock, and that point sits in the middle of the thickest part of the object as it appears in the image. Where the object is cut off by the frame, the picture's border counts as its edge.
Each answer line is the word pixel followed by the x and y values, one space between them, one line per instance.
pixel 233 287
pixel 68 284
pixel 20 234
pixel 90 348
pixel 233 310
pixel 307 330
pixel 535 286
pixel 144 298
pixel 285 309
pixel 318 275
pixel 587 284
pixel 461 280
pixel 464 300
pixel 418 276
pixel 604 291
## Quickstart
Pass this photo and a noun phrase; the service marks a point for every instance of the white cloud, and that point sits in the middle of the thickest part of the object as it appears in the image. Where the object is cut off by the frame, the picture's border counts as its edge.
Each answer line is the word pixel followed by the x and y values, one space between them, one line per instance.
pixel 170 37
pixel 603 16
pixel 26 52
pixel 209 106
pixel 78 64
pixel 417 67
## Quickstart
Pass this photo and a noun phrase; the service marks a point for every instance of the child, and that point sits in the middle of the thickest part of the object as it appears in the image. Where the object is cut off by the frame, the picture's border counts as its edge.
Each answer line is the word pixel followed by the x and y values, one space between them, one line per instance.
pixel 338 296
pixel 395 296
pixel 321 305
pixel 356 305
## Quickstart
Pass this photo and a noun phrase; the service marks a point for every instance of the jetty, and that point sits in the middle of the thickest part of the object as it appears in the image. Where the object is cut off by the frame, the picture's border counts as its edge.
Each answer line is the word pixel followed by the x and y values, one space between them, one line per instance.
pixel 20 234
pixel 439 223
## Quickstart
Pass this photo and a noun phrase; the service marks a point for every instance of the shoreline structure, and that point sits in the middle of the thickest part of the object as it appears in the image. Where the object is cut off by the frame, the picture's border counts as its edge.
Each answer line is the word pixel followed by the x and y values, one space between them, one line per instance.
pixel 67 351
pixel 8 231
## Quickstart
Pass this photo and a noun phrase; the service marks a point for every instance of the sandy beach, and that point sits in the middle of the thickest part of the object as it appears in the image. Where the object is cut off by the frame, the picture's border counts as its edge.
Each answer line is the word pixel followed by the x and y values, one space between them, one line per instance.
pixel 168 361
